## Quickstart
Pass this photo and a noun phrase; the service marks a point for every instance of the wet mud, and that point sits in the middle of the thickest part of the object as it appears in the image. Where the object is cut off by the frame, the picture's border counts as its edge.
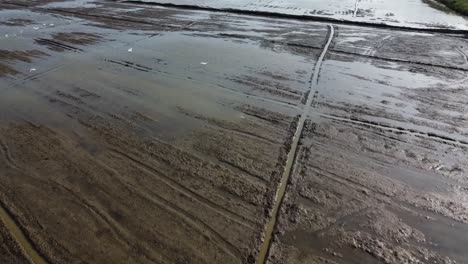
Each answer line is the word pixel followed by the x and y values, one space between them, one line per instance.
pixel 148 134
pixel 379 162
pixel 10 250
pixel 168 164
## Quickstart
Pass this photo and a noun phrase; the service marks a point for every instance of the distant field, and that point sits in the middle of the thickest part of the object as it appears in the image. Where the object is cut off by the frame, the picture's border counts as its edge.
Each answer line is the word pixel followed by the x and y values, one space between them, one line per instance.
pixel 460 6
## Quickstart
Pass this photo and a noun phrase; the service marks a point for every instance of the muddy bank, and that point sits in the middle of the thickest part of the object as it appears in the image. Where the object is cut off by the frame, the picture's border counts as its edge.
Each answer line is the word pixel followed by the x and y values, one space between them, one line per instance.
pixel 64 41
pixel 445 51
pixel 378 209
pixel 115 181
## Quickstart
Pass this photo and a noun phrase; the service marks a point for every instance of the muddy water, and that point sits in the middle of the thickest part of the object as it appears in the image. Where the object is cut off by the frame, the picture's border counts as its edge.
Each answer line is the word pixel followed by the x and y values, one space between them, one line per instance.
pixel 137 142
pixel 155 145
pixel 414 13
pixel 443 233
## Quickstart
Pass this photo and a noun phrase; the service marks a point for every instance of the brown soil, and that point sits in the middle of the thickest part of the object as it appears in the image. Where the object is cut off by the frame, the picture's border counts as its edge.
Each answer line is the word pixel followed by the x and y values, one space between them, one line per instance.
pixel 135 199
pixel 10 251
pixel 67 41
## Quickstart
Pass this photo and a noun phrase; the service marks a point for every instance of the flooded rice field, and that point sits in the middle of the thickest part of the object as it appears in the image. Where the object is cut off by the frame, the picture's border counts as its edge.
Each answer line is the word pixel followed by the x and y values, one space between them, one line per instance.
pixel 134 133
pixel 406 13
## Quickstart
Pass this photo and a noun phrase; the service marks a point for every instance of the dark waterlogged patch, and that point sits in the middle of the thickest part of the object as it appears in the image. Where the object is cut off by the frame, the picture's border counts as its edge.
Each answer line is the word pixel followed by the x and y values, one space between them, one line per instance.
pixel 67 41
pixel 8 56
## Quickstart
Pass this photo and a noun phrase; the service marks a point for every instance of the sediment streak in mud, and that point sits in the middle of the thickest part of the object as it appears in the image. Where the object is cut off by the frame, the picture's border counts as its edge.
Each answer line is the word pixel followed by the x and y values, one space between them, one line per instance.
pixel 20 238
pixel 292 153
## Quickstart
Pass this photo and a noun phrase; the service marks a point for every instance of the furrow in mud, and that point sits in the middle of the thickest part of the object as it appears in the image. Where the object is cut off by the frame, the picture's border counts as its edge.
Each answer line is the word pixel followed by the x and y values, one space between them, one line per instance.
pixel 6 154
pixel 17 234
pixel 229 127
pixel 271 41
pixel 100 214
pixel 289 165
pixel 463 54
pixel 201 226
pixel 131 65
pixel 180 188
pixel 336 51
pixel 300 17
pixel 400 130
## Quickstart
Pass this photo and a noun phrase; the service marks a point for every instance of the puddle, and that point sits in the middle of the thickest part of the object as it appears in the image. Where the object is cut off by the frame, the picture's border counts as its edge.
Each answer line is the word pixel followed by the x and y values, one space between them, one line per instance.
pixel 396 95
pixel 422 181
pixel 443 234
